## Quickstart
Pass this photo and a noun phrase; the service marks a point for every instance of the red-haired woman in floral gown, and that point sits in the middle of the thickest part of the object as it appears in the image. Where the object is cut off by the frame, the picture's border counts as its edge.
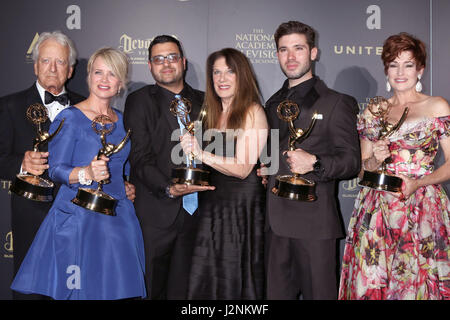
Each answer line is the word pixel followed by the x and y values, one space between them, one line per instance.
pixel 398 244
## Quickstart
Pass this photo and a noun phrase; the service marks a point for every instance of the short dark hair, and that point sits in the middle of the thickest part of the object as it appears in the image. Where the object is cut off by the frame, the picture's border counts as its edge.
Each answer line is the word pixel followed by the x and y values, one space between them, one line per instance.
pixel 163 39
pixel 291 27
pixel 397 43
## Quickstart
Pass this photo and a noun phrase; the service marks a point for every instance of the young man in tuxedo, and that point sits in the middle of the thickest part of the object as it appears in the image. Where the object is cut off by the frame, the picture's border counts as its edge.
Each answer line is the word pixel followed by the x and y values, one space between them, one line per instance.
pixel 302 235
pixel 168 225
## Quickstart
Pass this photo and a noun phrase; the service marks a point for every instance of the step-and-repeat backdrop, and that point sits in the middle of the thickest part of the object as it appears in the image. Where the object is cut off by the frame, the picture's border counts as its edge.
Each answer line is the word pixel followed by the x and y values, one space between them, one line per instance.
pixel 350 39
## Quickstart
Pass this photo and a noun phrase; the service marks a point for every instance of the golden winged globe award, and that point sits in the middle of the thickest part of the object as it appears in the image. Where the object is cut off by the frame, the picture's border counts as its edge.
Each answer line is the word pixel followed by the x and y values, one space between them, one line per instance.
pixel 96 199
pixel 190 175
pixel 380 179
pixel 28 185
pixel 294 187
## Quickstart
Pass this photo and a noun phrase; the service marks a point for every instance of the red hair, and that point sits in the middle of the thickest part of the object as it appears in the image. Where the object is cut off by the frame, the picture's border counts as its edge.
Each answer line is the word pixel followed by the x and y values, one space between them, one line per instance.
pixel 396 44
pixel 247 89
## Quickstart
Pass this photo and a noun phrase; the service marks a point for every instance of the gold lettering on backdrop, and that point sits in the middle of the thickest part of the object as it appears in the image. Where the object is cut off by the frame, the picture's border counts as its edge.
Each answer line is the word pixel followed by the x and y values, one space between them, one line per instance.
pixel 129 45
pixel 8 246
pixel 357 50
pixel 29 54
pixel 9 242
pixel 136 49
pixel 4 185
pixel 257 46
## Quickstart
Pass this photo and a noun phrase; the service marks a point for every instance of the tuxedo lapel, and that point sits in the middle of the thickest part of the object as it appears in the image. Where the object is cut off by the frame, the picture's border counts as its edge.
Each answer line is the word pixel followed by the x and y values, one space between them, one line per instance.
pixel 74 98
pixel 321 102
pixel 164 109
pixel 310 99
pixel 32 97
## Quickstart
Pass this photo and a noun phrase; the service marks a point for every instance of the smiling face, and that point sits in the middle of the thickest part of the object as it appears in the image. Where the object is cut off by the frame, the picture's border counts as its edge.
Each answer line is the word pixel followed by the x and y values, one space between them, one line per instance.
pixel 52 66
pixel 102 81
pixel 168 74
pixel 224 80
pixel 402 73
pixel 295 57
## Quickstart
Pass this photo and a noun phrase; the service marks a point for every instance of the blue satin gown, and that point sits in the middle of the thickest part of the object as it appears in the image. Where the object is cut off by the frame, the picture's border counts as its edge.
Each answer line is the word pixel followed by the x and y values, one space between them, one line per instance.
pixel 78 253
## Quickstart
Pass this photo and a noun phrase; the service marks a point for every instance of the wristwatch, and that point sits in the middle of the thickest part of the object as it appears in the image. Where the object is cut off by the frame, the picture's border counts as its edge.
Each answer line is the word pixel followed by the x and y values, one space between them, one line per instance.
pixel 317 166
pixel 171 196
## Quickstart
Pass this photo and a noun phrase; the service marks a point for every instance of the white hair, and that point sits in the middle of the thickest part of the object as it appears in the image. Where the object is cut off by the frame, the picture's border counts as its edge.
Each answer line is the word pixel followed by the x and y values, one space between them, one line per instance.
pixel 59 37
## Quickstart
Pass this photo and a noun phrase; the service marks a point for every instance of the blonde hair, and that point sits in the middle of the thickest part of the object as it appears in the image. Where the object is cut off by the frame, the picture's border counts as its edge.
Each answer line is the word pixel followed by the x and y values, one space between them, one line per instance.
pixel 114 59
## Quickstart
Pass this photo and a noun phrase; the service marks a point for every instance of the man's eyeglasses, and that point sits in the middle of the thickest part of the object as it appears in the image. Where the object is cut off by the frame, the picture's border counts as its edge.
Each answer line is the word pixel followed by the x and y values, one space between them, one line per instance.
pixel 171 58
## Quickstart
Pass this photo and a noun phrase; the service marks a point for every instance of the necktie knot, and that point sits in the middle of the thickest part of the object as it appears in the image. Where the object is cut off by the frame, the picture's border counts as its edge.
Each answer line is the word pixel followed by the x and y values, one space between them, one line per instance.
pixel 63 99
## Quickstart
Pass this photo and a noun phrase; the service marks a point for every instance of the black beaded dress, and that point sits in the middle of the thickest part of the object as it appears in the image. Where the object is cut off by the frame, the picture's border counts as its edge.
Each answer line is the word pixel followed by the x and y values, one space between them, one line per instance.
pixel 228 257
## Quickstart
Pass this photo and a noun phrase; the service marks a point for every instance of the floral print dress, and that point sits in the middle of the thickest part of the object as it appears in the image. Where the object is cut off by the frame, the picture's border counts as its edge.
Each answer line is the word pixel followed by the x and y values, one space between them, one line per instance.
pixel 400 249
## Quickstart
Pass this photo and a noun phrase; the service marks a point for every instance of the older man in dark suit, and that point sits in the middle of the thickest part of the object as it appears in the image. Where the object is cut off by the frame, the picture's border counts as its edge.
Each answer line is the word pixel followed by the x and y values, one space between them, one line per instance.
pixel 54 58
pixel 302 235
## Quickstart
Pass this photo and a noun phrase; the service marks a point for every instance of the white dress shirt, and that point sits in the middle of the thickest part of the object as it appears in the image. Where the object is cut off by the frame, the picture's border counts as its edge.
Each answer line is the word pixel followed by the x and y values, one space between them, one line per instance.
pixel 52 108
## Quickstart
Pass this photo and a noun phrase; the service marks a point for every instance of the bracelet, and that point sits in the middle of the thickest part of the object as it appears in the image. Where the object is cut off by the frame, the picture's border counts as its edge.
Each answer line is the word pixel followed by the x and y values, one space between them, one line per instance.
pixel 82 177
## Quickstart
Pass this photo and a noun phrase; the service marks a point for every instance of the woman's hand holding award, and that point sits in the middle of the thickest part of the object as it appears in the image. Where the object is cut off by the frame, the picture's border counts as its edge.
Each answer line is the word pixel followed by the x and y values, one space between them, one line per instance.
pixel 190 175
pixel 380 179
pixel 96 199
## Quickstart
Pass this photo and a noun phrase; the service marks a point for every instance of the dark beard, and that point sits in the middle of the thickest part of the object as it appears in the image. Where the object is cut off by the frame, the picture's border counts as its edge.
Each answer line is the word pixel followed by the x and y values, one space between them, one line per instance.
pixel 298 75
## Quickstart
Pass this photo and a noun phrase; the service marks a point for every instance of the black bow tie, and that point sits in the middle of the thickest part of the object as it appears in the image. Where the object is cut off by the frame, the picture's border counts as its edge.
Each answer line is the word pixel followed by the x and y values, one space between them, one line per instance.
pixel 63 99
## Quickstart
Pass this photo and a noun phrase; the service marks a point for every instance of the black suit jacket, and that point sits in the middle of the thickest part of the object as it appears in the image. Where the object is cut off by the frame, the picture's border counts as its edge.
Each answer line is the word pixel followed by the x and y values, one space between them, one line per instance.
pixel 16 137
pixel 147 114
pixel 335 140
pixel 16 132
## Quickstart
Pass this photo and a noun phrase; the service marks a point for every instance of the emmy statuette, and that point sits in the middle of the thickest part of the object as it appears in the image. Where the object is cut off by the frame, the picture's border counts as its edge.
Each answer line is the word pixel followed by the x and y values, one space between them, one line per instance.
pixel 27 185
pixel 189 175
pixel 381 179
pixel 294 187
pixel 96 199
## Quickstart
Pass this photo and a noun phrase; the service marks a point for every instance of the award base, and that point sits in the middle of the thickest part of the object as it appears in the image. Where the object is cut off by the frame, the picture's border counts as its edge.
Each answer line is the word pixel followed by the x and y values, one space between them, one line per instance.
pixel 381 181
pixel 33 188
pixel 95 200
pixel 190 176
pixel 295 188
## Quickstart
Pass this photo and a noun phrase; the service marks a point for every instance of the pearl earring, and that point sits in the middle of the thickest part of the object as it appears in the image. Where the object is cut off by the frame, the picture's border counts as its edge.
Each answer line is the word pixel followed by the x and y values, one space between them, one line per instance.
pixel 419 84
pixel 388 85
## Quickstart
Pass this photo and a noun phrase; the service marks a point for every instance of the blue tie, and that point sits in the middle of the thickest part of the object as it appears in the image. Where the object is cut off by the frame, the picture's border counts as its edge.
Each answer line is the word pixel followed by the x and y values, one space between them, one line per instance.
pixel 190 201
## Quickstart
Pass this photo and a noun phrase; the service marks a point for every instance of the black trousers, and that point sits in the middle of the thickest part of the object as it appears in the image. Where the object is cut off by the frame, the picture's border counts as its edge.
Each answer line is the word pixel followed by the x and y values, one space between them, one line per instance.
pixel 168 254
pixel 305 267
